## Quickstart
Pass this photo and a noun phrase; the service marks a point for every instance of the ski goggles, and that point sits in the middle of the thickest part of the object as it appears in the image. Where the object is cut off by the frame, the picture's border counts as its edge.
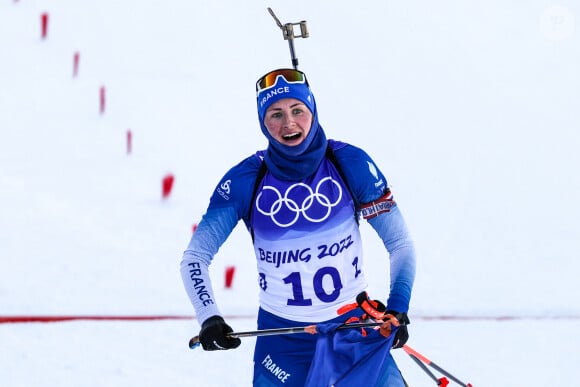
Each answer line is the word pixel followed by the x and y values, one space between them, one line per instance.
pixel 289 75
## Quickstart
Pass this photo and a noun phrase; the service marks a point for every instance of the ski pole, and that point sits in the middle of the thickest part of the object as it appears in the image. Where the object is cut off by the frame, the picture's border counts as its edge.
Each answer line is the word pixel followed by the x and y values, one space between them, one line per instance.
pixel 443 382
pixel 194 341
pixel 416 355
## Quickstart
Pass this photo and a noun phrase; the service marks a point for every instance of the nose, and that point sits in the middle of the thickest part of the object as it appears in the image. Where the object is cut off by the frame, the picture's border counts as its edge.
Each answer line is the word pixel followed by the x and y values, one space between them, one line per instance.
pixel 287 120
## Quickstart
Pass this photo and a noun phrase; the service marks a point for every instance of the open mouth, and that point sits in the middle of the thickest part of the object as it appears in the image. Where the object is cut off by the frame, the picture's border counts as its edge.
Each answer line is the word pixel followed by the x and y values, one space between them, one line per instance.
pixel 292 136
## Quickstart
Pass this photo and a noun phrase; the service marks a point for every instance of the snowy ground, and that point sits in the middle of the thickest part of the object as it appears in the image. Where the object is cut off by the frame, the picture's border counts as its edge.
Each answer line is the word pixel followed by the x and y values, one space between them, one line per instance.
pixel 485 353
pixel 471 111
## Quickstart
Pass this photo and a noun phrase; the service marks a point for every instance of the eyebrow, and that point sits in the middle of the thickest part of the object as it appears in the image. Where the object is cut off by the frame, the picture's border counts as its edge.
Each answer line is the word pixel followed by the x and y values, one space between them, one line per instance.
pixel 291 106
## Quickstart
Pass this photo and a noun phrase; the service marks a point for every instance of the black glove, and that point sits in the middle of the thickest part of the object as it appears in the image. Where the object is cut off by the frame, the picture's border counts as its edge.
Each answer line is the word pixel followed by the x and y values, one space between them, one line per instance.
pixel 402 334
pixel 213 335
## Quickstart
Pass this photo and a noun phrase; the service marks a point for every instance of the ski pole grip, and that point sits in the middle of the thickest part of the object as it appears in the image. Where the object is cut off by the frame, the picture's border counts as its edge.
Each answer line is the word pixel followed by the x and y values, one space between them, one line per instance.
pixel 366 304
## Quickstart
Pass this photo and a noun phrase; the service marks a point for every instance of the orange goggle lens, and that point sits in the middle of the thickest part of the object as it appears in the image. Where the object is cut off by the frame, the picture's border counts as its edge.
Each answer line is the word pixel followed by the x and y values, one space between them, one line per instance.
pixel 289 75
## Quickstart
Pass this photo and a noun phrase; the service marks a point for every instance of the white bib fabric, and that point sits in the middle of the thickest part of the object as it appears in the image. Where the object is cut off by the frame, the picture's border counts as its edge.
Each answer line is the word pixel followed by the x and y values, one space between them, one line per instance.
pixel 308 246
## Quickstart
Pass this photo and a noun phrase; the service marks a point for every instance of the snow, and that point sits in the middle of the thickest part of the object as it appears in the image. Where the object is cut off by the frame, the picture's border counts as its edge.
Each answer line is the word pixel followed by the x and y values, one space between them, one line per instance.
pixel 470 109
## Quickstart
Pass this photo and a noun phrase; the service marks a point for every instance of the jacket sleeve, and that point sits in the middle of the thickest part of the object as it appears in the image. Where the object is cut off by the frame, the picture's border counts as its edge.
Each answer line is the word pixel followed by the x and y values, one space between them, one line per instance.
pixel 228 204
pixel 212 231
pixel 393 231
pixel 368 184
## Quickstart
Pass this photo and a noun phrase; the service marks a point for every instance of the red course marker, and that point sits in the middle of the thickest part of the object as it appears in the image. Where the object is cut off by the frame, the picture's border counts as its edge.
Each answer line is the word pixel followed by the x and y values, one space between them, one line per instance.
pixel 230 270
pixel 129 141
pixel 167 185
pixel 43 25
pixel 76 58
pixel 102 100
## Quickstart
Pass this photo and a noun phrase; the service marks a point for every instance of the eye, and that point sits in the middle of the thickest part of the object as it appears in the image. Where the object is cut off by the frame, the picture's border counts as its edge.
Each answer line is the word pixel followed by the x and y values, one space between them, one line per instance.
pixel 276 115
pixel 297 111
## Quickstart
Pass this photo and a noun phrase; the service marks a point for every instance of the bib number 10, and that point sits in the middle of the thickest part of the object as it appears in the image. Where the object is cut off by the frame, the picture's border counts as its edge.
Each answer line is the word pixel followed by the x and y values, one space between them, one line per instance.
pixel 295 280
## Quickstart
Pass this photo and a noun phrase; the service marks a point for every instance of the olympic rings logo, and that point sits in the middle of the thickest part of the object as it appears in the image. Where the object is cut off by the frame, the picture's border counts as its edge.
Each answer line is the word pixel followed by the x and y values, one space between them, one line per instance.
pixel 284 202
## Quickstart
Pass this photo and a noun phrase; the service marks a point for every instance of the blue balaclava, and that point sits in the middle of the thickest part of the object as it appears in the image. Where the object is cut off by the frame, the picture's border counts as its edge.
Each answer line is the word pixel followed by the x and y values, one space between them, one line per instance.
pixel 292 162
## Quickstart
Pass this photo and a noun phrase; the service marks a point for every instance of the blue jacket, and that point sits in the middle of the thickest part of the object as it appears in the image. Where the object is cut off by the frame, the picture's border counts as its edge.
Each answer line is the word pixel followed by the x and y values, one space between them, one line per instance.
pixel 233 201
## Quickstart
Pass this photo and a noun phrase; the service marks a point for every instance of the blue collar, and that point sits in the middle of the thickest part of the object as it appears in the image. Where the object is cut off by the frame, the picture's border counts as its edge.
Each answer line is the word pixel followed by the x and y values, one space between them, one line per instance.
pixel 294 163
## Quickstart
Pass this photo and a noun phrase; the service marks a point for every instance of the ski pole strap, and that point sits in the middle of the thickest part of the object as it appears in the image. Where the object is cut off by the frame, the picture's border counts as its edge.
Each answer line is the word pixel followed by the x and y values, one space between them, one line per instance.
pixel 346 308
pixel 373 308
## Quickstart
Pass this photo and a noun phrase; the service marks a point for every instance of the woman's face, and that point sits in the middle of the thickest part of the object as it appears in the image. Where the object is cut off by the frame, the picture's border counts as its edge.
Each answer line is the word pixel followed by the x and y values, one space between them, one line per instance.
pixel 288 121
